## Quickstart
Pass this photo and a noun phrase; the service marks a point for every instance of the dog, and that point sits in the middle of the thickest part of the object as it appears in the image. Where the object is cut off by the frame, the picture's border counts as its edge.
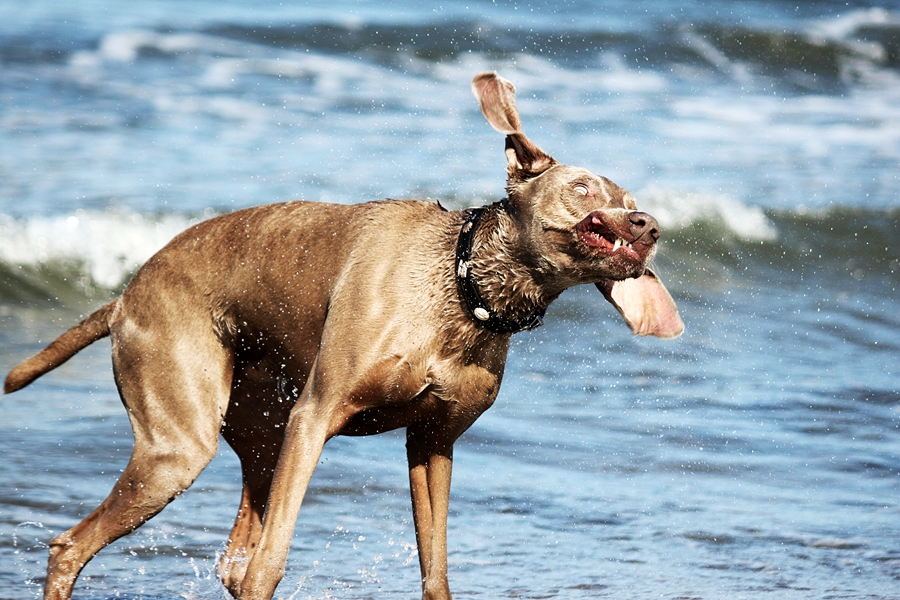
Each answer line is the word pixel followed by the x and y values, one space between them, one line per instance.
pixel 284 325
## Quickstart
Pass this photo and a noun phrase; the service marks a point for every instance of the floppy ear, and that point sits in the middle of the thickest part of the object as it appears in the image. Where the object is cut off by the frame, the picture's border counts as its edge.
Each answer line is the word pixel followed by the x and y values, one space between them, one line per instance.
pixel 496 96
pixel 645 304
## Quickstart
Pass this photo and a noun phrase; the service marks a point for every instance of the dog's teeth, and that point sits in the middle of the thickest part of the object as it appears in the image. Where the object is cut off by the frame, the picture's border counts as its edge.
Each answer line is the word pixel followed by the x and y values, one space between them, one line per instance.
pixel 617 244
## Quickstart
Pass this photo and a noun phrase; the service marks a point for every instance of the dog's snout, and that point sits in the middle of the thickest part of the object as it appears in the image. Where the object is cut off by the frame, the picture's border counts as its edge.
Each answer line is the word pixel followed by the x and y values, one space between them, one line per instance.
pixel 643 224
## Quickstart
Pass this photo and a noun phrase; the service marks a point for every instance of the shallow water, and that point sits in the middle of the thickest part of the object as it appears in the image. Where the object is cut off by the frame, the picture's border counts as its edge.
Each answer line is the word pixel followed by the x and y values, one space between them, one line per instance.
pixel 756 456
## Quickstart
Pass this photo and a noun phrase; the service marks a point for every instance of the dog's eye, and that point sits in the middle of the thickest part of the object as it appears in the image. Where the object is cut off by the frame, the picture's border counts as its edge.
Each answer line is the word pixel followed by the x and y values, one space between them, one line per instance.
pixel 580 188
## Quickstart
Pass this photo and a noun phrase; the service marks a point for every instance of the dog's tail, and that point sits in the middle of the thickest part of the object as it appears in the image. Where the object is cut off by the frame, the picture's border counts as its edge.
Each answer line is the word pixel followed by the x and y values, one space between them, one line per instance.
pixel 93 328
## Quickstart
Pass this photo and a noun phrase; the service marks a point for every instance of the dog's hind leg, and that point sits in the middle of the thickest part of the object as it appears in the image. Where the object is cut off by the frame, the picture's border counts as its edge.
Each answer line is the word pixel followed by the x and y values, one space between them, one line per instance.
pixel 318 414
pixel 254 428
pixel 174 380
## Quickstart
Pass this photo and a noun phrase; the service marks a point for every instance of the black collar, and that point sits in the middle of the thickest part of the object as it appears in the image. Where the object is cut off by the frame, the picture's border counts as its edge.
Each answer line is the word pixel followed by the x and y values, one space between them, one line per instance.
pixel 478 309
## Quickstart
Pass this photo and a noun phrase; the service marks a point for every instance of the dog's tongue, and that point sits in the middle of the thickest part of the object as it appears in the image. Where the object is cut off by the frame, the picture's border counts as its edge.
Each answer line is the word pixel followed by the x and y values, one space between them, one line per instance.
pixel 645 304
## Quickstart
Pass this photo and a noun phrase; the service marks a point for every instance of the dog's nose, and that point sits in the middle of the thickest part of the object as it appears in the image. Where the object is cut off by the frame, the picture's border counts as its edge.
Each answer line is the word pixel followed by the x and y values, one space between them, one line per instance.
pixel 643 224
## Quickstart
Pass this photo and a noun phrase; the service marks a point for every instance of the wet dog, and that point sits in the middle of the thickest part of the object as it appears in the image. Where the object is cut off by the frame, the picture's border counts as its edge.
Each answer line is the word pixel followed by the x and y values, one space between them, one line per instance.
pixel 284 325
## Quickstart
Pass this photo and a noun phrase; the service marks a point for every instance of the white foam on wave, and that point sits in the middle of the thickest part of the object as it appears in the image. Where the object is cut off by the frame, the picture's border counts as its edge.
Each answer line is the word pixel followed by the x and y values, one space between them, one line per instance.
pixel 814 124
pixel 219 64
pixel 867 66
pixel 674 209
pixel 109 245
pixel 845 25
pixel 124 46
pixel 611 89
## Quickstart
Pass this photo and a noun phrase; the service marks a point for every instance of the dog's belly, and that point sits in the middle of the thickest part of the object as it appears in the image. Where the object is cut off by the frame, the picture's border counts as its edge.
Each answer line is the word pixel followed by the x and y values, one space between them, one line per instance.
pixel 393 395
pixel 377 420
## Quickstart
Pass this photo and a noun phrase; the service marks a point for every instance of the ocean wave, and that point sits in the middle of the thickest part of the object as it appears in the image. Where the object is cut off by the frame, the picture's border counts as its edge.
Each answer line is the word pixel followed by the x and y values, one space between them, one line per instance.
pixel 684 210
pixel 110 245
pixel 821 55
pixel 841 249
pixel 860 23
pixel 85 252
pixel 325 80
pixel 90 253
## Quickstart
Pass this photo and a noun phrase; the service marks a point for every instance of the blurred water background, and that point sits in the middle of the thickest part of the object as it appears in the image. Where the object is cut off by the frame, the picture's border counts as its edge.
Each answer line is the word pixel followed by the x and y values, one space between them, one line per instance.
pixel 756 457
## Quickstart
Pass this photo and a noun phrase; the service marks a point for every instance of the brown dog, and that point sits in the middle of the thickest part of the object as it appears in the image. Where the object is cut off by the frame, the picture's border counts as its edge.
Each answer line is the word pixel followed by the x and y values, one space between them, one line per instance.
pixel 282 326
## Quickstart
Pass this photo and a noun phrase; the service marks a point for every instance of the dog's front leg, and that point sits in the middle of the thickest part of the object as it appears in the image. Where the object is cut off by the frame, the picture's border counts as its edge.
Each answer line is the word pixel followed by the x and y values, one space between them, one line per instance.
pixel 430 456
pixel 308 428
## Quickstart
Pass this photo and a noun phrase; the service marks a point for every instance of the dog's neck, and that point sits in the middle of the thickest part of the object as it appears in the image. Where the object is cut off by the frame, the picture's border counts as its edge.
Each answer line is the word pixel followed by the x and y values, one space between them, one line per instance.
pixel 497 279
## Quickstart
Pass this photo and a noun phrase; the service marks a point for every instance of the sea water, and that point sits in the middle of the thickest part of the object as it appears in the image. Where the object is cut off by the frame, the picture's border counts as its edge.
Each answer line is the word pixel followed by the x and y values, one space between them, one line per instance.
pixel 756 456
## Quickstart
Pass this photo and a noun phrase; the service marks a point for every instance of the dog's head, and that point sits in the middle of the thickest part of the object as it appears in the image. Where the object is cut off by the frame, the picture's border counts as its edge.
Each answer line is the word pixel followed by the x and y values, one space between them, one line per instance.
pixel 578 227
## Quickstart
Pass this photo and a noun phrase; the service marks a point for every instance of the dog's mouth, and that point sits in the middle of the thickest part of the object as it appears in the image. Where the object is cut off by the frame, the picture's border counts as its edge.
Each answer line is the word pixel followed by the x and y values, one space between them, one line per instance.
pixel 595 233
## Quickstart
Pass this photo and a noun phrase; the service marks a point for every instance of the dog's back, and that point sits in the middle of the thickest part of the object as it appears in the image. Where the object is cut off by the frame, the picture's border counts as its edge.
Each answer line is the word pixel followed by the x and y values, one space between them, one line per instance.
pixel 270 273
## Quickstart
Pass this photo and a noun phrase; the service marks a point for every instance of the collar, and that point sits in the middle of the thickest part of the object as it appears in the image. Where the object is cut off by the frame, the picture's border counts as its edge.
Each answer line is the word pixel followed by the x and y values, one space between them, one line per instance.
pixel 478 309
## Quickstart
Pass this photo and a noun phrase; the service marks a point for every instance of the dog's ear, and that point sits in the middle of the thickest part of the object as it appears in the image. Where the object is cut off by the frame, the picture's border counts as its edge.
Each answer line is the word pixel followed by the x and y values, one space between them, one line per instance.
pixel 645 304
pixel 496 96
